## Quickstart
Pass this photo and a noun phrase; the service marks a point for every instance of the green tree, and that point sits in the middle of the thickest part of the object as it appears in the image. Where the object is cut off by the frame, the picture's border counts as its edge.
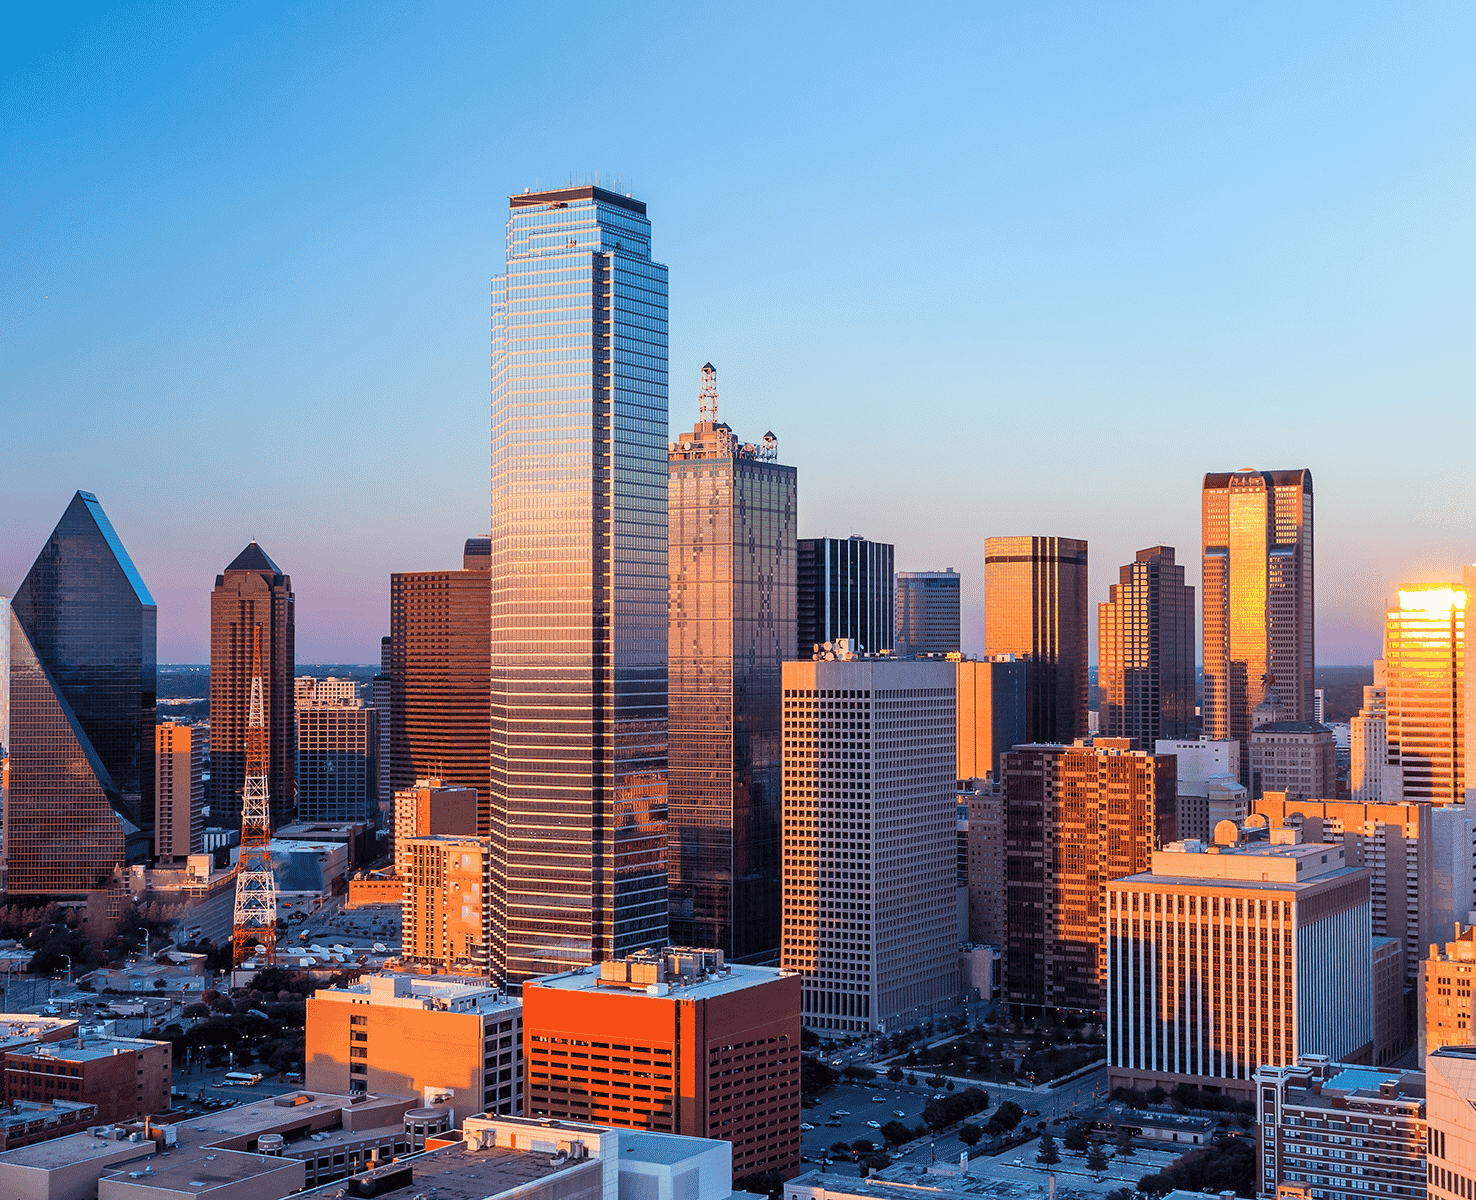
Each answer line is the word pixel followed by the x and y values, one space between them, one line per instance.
pixel 1155 1185
pixel 969 1135
pixel 895 1074
pixel 1096 1158
pixel 1156 1095
pixel 1076 1138
pixel 896 1132
pixel 1125 1142
pixel 1048 1155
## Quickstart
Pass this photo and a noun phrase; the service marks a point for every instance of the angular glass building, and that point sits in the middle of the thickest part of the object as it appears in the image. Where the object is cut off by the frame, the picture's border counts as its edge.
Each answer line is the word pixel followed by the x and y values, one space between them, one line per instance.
pixel 82 689
pixel 578 582
pixel 731 534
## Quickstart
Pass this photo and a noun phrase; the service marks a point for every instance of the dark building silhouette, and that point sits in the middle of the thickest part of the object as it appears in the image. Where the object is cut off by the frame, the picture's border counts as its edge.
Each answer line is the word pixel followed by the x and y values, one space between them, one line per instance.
pixel 252 591
pixel 1145 652
pixel 844 590
pixel 1035 607
pixel 731 519
pixel 83 677
pixel 439 664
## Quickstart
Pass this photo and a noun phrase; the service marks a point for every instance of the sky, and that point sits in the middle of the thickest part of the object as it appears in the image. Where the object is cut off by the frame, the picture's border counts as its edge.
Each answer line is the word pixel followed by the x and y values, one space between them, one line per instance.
pixel 984 269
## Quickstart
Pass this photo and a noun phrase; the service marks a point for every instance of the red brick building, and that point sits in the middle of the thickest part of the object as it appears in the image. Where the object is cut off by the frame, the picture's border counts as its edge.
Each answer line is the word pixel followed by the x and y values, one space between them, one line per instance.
pixel 125 1077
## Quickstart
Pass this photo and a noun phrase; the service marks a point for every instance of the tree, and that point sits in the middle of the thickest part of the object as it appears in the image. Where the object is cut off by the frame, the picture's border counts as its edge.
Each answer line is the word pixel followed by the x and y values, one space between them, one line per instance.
pixel 1076 1139
pixel 1125 1142
pixel 948 1085
pixel 1156 1095
pixel 815 1076
pixel 1096 1158
pixel 911 1079
pixel 765 1183
pixel 896 1132
pixel 1048 1155
pixel 1155 1185
pixel 895 1074
pixel 969 1135
pixel 877 1162
pixel 863 1145
pixel 840 1147
pixel 1005 1118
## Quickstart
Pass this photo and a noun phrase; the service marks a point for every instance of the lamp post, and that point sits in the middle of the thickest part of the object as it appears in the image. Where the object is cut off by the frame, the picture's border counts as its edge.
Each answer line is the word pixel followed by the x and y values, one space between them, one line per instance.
pixel 68 957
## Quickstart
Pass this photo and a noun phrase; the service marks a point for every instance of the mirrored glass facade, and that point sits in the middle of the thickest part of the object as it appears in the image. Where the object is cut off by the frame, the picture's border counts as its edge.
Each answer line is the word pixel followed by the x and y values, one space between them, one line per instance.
pixel 1258 622
pixel 252 591
pixel 1425 669
pixel 578 585
pixel 732 546
pixel 83 680
pixel 1145 652
pixel 844 590
pixel 1035 607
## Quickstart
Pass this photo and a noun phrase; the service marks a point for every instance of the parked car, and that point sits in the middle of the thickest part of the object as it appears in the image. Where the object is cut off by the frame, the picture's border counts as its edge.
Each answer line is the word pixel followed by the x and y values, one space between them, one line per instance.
pixel 897 1112
pixel 874 1124
pixel 806 1125
pixel 878 1099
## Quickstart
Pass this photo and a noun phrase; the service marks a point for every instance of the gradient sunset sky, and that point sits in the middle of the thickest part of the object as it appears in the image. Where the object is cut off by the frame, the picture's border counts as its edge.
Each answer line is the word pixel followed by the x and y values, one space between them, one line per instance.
pixel 985 269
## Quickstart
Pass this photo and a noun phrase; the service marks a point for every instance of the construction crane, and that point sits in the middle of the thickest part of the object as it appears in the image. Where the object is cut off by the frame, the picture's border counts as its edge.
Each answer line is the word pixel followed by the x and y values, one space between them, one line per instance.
pixel 255 933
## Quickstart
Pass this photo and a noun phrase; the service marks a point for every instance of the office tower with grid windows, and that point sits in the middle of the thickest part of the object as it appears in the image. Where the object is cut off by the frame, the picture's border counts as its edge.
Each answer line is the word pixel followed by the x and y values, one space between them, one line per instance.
pixel 1075 818
pixel 928 612
pixel 252 591
pixel 731 528
pixel 1145 652
pixel 870 841
pixel 83 675
pixel 338 762
pixel 844 589
pixel 439 676
pixel 1426 686
pixel 1035 607
pixel 577 805
pixel 445 915
pixel 179 793
pixel 1258 599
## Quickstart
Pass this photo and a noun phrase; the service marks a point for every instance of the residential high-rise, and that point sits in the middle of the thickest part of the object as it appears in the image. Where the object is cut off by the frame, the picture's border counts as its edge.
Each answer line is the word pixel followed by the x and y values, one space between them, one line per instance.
pixel 579 584
pixel 1258 598
pixel 1076 817
pixel 1145 652
pixel 179 793
pixel 731 525
pixel 1425 679
pixel 1191 942
pixel 440 647
pixel 1368 742
pixel 870 841
pixel 252 591
pixel 338 762
pixel 446 919
pixel 988 913
pixel 400 1034
pixel 928 605
pixel 431 807
pixel 676 1040
pixel 83 676
pixel 1035 607
pixel 843 590
pixel 992 713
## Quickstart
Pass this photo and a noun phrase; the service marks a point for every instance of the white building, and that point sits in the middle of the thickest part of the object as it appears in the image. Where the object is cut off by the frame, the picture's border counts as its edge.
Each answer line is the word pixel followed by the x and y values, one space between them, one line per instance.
pixel 1450 1098
pixel 1201 761
pixel 870 840
pixel 1452 891
pixel 1368 746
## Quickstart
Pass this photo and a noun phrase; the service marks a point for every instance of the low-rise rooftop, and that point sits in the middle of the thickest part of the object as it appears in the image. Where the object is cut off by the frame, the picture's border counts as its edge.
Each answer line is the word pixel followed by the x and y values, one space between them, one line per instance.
pixel 671 970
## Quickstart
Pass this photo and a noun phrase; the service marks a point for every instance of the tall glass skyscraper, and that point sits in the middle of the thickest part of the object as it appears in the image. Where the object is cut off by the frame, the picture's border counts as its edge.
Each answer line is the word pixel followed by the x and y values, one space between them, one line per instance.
pixel 844 590
pixel 83 682
pixel 732 526
pixel 578 585
pixel 1145 652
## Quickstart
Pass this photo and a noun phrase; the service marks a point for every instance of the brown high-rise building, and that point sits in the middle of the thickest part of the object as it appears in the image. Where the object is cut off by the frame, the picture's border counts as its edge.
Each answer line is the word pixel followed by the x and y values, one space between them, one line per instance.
pixel 1145 652
pixel 440 626
pixel 252 591
pixel 1035 607
pixel 1076 817
pixel 1258 599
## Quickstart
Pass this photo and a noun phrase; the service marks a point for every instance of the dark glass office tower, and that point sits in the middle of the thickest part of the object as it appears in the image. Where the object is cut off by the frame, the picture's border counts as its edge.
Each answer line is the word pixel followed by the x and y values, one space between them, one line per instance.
pixel 83 679
pixel 844 591
pixel 928 612
pixel 439 662
pixel 1145 652
pixel 731 530
pixel 579 584
pixel 1035 607
pixel 252 591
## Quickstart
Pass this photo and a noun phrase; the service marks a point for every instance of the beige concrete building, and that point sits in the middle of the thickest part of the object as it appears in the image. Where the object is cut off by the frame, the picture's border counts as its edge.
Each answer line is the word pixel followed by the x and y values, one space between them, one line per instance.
pixel 1368 743
pixel 1297 758
pixel 1450 1110
pixel 179 793
pixel 431 807
pixel 1447 1009
pixel 446 913
pixel 870 841
pixel 405 1035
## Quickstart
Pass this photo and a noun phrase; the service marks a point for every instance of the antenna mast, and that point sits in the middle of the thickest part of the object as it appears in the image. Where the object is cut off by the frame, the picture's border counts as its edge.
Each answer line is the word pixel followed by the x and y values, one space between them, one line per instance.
pixel 255 934
pixel 707 398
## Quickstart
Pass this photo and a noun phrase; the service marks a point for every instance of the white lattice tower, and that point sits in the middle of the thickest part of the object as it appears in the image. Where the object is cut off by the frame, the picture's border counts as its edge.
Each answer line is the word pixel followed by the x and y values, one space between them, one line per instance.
pixel 707 398
pixel 255 925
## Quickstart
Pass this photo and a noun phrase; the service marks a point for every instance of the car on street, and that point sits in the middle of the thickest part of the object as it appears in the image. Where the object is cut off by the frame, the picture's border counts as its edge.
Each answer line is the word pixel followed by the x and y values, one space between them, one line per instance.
pixel 878 1099
pixel 806 1125
pixel 897 1112
pixel 939 1096
pixel 840 1112
pixel 874 1124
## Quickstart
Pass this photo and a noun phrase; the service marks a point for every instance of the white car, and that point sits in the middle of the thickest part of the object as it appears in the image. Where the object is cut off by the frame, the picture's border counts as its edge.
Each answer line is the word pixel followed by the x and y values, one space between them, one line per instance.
pixel 806 1125
pixel 840 1112
pixel 874 1124
pixel 897 1112
pixel 878 1099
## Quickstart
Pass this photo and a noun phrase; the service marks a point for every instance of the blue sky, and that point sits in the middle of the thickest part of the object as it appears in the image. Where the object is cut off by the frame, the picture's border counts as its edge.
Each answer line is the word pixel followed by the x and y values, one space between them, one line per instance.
pixel 983 269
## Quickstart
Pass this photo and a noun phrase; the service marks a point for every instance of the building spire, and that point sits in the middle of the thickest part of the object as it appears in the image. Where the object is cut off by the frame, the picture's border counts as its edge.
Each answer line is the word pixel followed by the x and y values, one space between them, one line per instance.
pixel 707 398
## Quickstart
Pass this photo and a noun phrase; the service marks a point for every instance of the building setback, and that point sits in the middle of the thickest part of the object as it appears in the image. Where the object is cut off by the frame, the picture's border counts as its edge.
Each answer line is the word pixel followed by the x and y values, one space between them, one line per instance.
pixel 252 591
pixel 731 538
pixel 1076 817
pixel 677 1041
pixel 1145 640
pixel 1035 607
pixel 928 604
pixel 400 1035
pixel 844 590
pixel 1447 1009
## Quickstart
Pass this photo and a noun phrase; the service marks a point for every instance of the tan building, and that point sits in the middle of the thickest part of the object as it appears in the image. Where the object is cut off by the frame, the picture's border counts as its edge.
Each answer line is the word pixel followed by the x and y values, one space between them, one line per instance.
pixel 431 807
pixel 1195 942
pixel 1447 1009
pixel 124 1077
pixel 988 923
pixel 991 713
pixel 675 1040
pixel 406 1035
pixel 1075 818
pixel 1296 758
pixel 1391 1035
pixel 1450 1102
pixel 179 793
pixel 870 841
pixel 1368 744
pixel 446 918
pixel 1426 686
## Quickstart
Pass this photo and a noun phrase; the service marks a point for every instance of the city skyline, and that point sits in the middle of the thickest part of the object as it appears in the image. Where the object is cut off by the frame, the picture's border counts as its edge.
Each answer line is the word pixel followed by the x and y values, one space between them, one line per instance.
pixel 1172 213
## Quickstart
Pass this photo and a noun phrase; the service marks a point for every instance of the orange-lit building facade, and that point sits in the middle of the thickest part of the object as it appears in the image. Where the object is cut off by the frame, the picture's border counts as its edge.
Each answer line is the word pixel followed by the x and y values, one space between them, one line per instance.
pixel 431 807
pixel 124 1077
pixel 1447 1009
pixel 1426 693
pixel 991 713
pixel 179 793
pixel 1076 817
pixel 445 912
pixel 676 1041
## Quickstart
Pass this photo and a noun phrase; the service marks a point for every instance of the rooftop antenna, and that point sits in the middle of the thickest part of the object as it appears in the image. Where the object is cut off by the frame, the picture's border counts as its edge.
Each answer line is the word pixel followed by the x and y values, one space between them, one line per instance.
pixel 707 398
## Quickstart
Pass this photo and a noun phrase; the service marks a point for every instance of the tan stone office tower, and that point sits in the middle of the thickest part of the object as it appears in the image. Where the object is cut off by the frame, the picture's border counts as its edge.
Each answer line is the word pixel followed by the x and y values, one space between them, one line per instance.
pixel 1258 596
pixel 1035 607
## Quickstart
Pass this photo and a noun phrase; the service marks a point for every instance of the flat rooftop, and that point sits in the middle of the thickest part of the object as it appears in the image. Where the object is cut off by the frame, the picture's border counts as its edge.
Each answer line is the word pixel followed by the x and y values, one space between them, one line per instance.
pixel 201 1170
pixel 90 1050
pixel 457 1173
pixel 74 1148
pixel 668 1149
pixel 733 978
